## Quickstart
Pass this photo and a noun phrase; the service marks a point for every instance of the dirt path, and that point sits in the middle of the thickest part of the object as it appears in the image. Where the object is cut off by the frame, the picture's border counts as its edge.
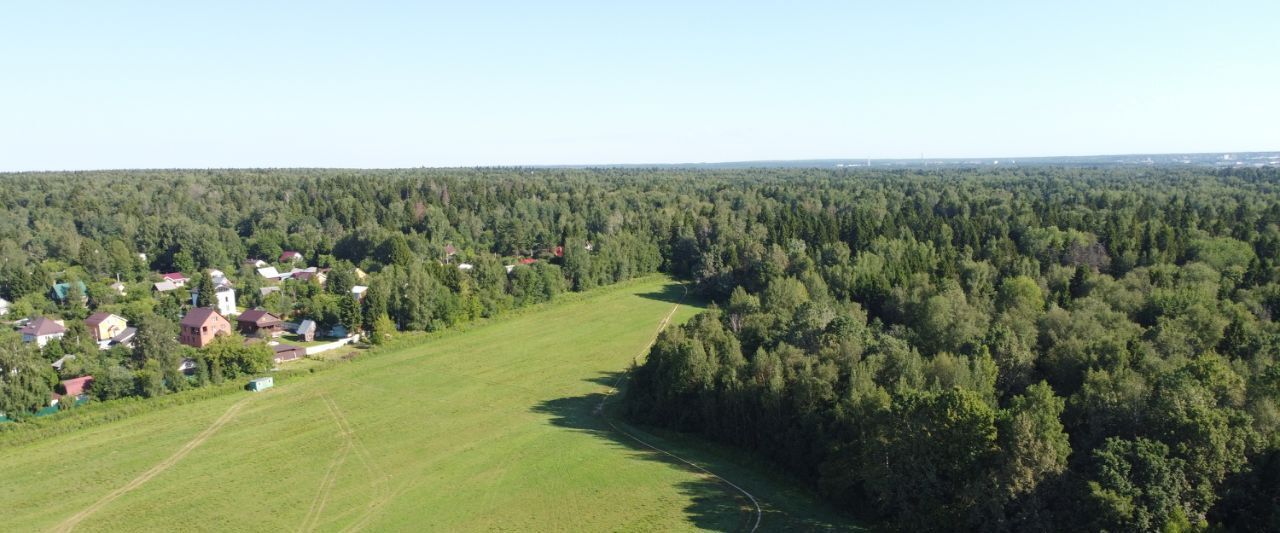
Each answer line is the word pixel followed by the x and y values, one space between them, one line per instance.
pixel 159 468
pixel 600 409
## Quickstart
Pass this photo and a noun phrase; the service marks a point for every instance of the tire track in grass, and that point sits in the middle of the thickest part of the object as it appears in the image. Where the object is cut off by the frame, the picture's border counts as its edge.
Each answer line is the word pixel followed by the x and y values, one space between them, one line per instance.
pixel 600 410
pixel 71 522
pixel 380 480
pixel 312 518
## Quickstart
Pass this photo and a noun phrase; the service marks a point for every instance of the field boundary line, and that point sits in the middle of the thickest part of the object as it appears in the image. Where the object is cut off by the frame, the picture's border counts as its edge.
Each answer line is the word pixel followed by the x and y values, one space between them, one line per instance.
pixel 600 409
pixel 71 522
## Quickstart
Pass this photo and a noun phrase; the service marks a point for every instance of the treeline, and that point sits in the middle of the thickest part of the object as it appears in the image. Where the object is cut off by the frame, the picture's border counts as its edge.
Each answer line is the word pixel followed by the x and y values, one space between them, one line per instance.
pixel 1041 350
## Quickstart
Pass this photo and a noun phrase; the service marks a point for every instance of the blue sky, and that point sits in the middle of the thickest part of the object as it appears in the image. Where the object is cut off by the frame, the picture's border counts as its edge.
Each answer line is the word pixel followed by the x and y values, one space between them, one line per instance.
pixel 398 84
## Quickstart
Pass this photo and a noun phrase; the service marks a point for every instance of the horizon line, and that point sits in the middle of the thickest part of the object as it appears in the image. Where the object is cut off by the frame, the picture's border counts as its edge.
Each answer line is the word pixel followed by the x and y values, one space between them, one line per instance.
pixel 746 163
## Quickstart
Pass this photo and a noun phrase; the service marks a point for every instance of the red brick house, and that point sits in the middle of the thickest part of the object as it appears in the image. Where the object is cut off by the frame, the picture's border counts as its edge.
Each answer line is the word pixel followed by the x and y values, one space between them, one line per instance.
pixel 200 326
pixel 259 323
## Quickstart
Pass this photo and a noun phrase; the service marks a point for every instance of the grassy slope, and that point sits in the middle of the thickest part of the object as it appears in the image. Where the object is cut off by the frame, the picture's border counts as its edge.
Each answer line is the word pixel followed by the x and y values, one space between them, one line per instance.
pixel 490 429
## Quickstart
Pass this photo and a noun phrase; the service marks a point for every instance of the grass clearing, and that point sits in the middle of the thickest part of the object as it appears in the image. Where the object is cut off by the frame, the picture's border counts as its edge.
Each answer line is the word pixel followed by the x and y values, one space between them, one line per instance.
pixel 491 428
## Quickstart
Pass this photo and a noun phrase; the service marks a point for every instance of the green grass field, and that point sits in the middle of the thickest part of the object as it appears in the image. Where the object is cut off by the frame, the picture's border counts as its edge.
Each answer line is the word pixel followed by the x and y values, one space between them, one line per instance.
pixel 487 429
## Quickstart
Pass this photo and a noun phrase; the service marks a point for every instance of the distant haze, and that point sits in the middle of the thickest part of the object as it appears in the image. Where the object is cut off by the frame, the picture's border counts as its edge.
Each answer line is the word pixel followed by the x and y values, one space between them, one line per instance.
pixel 391 84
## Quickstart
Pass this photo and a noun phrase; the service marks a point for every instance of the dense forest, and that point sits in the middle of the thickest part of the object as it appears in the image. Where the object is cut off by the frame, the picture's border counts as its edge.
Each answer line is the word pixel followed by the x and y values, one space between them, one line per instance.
pixel 998 349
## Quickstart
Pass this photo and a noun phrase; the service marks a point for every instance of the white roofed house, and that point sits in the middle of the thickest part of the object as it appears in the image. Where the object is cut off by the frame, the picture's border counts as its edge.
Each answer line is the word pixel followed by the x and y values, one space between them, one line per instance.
pixel 358 291
pixel 269 273
pixel 165 286
pixel 4 306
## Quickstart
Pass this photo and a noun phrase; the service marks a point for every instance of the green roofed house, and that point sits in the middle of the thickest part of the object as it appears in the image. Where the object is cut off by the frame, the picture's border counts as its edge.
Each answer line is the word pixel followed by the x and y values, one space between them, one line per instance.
pixel 60 291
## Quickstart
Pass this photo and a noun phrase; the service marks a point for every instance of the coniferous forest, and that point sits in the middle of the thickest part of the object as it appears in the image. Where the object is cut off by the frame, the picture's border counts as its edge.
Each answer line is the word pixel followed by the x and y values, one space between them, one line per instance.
pixel 1016 349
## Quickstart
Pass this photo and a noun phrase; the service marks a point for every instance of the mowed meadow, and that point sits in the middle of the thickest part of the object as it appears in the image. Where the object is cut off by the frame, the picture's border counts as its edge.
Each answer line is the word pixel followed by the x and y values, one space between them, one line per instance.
pixel 493 428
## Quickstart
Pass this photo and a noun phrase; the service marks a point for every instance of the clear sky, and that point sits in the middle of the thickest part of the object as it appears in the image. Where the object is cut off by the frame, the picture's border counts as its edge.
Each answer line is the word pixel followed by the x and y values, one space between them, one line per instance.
pixel 120 84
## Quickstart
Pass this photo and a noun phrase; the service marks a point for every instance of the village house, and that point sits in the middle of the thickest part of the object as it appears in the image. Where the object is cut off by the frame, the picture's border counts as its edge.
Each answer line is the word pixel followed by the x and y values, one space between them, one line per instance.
pixel 104 326
pixel 358 292
pixel 309 273
pixel 255 263
pixel 224 299
pixel 60 291
pixel 4 307
pixel 290 256
pixel 187 366
pixel 177 278
pixel 201 326
pixel 119 288
pixel 74 389
pixel 219 278
pixel 307 330
pixel 124 338
pixel 269 272
pixel 259 323
pixel 164 286
pixel 286 352
pixel 41 330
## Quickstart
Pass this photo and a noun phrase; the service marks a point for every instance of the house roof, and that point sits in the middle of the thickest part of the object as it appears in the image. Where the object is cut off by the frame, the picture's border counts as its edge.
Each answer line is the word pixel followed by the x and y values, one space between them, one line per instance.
pixel 259 317
pixel 41 326
pixel 198 317
pixel 60 289
pixel 528 261
pixel 75 386
pixel 285 348
pixel 267 290
pixel 124 336
pixel 358 289
pixel 98 318
pixel 165 286
pixel 63 360
pixel 289 255
pixel 175 276
pixel 269 272
pixel 307 326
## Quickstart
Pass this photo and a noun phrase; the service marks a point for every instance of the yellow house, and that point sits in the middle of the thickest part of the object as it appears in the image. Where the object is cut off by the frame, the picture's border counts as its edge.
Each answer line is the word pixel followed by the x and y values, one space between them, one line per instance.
pixel 104 326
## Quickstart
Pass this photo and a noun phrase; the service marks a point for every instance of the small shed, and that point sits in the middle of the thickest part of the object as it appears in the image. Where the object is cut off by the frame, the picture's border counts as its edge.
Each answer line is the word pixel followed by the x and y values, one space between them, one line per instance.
pixel 260 384
pixel 307 330
pixel 287 352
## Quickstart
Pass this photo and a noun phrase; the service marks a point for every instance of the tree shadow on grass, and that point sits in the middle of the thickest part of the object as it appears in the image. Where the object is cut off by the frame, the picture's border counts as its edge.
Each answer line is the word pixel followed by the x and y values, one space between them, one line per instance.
pixel 670 293
pixel 714 504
